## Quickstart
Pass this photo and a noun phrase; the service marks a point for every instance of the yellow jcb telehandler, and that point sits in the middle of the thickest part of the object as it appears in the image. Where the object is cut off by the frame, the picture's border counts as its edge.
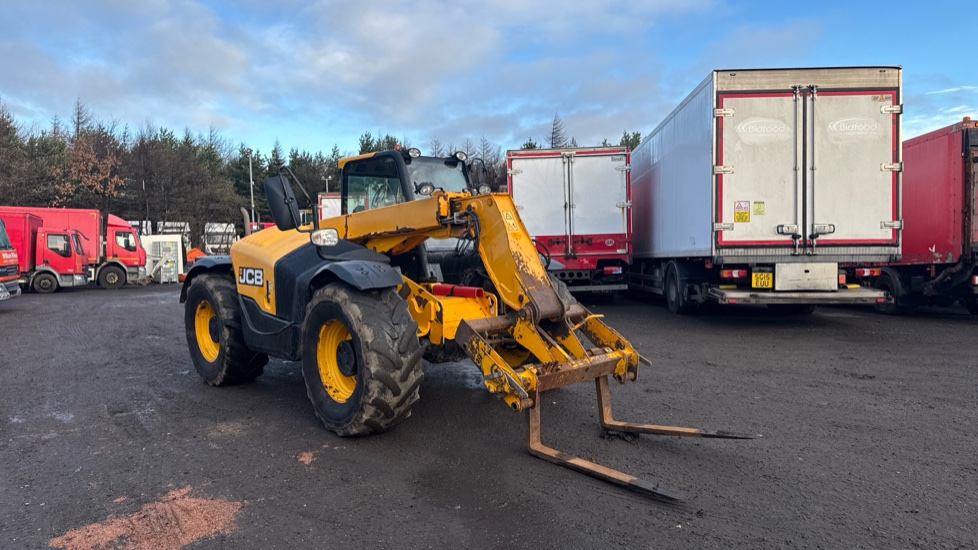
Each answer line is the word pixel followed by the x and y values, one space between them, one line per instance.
pixel 361 298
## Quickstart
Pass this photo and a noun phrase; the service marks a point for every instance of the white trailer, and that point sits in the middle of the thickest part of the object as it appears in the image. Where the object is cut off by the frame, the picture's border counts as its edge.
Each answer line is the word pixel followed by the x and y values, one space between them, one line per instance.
pixel 329 205
pixel 771 186
pixel 575 204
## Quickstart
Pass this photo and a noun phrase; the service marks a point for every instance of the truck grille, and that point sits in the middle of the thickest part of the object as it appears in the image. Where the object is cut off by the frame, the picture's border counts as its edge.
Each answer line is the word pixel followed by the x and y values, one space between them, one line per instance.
pixel 8 270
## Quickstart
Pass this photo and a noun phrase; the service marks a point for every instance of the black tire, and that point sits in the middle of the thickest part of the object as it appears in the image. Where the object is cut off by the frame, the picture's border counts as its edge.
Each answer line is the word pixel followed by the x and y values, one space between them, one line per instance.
pixel 446 352
pixel 791 309
pixel 45 283
pixel 361 359
pixel 674 294
pixel 112 277
pixel 213 325
pixel 885 282
pixel 971 305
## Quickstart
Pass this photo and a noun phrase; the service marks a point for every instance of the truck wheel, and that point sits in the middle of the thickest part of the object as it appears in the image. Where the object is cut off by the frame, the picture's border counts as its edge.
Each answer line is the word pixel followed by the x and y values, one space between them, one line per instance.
pixel 213 326
pixel 674 293
pixel 971 305
pixel 112 277
pixel 361 359
pixel 886 283
pixel 45 283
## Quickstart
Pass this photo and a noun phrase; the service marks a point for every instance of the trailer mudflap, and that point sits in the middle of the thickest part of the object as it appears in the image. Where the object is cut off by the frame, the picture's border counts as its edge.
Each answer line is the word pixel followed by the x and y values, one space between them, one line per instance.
pixel 860 295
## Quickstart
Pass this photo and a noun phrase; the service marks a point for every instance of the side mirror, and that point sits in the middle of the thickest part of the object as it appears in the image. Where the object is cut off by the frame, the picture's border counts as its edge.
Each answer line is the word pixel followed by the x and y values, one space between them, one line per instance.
pixel 281 202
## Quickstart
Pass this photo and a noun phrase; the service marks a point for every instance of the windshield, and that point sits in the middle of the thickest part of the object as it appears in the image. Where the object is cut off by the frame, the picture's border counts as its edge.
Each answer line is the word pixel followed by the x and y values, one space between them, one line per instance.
pixel 4 240
pixel 444 174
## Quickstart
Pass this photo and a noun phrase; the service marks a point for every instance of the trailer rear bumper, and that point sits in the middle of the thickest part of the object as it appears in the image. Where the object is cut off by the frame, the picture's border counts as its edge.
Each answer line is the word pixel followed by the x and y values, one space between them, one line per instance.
pixel 860 295
pixel 582 289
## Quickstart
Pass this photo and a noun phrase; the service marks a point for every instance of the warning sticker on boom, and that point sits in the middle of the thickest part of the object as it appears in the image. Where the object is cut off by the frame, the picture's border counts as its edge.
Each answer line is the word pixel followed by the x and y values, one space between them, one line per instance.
pixel 510 222
pixel 741 211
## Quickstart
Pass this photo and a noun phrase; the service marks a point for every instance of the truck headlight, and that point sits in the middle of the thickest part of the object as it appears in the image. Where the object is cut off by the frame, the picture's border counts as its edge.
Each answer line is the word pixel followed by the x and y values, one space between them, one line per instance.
pixel 325 237
pixel 485 189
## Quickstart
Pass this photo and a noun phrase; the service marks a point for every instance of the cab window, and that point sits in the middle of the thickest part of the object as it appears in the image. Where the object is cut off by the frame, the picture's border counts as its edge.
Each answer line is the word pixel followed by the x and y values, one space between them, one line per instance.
pixel 59 245
pixel 126 240
pixel 372 183
pixel 76 238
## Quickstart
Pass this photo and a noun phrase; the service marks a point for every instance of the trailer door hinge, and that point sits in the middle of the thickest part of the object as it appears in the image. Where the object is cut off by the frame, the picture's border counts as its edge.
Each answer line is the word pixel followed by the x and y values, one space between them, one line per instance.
pixel 891 109
pixel 892 167
pixel 725 169
pixel 626 168
pixel 626 204
pixel 513 172
pixel 895 224
pixel 723 227
pixel 723 112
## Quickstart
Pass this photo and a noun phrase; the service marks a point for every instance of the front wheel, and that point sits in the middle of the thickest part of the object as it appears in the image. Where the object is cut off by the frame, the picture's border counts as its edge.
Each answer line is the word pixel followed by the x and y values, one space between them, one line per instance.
pixel 361 359
pixel 112 277
pixel 45 283
pixel 214 336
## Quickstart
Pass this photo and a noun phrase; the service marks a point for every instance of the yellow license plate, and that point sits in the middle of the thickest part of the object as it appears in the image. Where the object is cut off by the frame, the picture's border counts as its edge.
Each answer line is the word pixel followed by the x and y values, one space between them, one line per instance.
pixel 762 280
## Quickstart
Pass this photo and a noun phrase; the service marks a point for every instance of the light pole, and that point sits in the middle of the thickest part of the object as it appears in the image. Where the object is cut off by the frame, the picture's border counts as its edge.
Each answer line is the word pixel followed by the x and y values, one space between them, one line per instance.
pixel 251 185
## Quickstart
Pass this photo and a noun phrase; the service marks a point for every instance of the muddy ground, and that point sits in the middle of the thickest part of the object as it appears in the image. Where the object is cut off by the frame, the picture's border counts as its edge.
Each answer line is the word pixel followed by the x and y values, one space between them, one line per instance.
pixel 109 439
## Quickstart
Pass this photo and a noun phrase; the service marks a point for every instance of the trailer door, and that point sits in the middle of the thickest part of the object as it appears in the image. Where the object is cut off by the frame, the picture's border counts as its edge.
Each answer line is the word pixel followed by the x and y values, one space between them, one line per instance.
pixel 540 181
pixel 599 208
pixel 757 178
pixel 853 169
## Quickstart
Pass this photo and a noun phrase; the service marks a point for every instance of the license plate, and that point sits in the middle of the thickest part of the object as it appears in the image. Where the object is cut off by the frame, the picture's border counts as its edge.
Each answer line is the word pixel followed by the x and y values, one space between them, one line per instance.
pixel 762 280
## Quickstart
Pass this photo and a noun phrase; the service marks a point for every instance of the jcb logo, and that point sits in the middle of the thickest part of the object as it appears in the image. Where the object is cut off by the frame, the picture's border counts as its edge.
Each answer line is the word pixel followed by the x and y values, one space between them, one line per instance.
pixel 251 276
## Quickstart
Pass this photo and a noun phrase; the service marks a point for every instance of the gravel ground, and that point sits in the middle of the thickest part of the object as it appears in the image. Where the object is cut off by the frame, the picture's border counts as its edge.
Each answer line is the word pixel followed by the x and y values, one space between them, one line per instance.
pixel 109 439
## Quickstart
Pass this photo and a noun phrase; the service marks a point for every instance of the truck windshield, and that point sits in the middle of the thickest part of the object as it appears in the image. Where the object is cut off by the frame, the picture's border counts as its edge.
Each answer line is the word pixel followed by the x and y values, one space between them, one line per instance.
pixel 4 240
pixel 444 174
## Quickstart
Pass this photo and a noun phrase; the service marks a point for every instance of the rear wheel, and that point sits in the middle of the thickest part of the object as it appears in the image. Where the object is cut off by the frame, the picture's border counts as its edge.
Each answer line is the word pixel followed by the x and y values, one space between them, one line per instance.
pixel 885 282
pixel 674 292
pixel 213 326
pixel 971 305
pixel 45 283
pixel 361 359
pixel 112 277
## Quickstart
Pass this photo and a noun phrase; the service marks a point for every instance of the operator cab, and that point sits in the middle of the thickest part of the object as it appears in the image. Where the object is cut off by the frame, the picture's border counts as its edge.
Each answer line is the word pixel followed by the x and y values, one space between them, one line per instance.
pixel 374 180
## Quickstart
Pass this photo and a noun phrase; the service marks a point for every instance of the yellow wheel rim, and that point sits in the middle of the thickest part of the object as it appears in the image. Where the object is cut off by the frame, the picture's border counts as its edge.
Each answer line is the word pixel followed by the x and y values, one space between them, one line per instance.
pixel 209 347
pixel 336 360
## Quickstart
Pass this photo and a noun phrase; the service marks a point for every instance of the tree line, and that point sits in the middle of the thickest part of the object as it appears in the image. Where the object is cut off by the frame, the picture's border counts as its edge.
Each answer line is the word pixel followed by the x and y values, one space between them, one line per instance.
pixel 157 175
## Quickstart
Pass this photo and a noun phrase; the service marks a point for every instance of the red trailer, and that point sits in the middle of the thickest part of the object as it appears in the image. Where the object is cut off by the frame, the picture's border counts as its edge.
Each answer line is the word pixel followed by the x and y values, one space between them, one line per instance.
pixel 9 267
pixel 110 244
pixel 940 229
pixel 48 257
pixel 576 205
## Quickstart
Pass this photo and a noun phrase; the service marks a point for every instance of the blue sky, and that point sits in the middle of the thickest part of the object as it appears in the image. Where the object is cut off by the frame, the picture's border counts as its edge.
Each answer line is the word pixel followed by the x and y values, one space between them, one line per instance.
pixel 312 74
